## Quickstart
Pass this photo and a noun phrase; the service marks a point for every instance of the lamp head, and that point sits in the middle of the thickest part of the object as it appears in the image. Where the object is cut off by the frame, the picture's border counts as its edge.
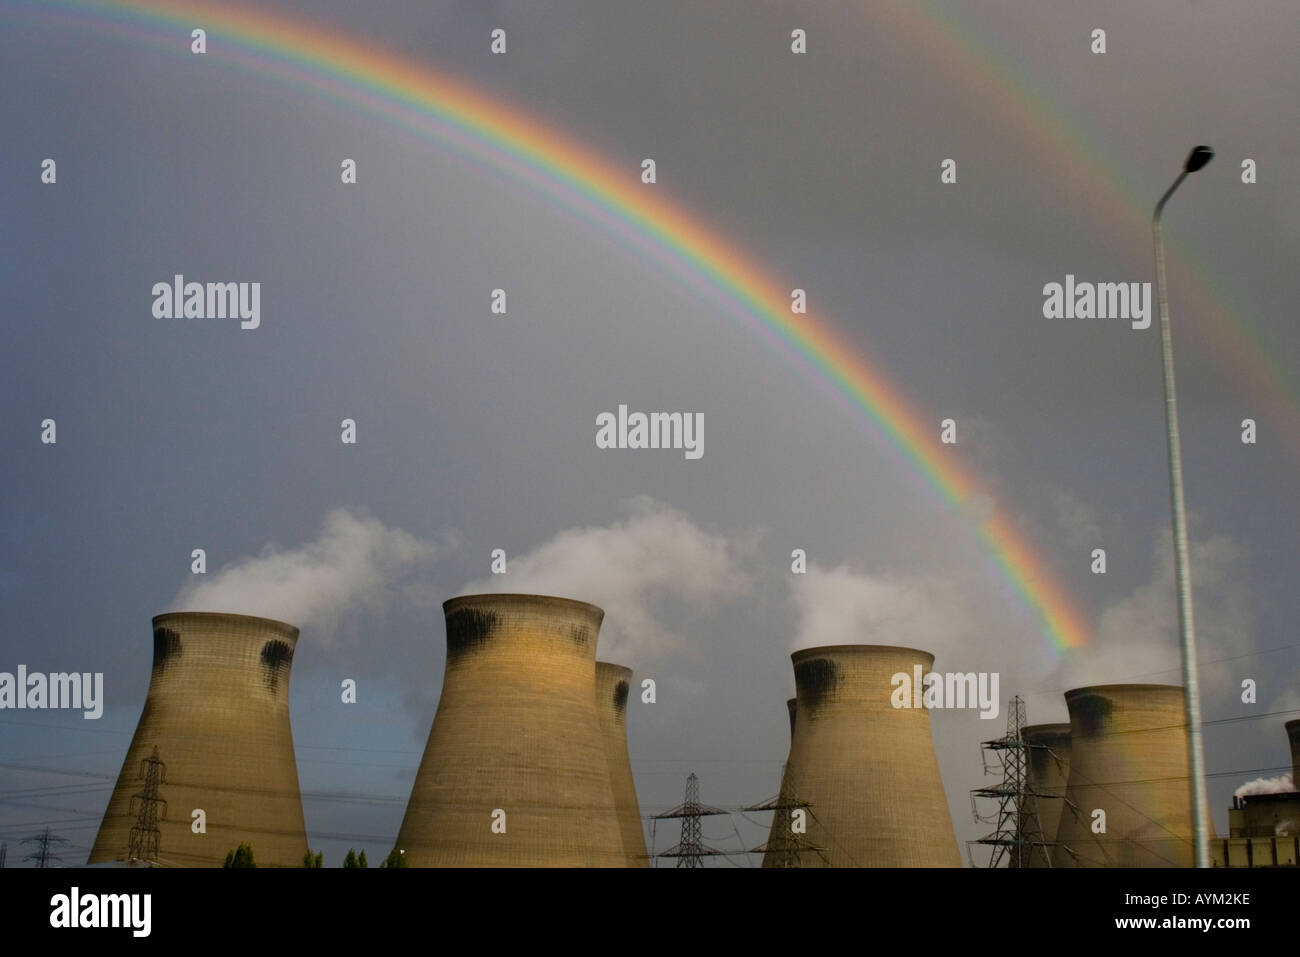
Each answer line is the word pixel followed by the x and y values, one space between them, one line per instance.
pixel 1198 158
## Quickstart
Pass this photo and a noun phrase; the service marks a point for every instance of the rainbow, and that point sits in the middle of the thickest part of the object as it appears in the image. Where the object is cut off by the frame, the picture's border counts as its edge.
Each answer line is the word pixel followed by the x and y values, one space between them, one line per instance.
pixel 415 97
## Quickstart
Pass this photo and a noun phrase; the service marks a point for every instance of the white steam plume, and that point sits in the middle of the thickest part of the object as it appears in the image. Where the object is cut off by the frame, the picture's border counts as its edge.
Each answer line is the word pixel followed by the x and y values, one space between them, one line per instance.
pixel 353 563
pixel 845 606
pixel 1137 637
pixel 629 569
pixel 1278 785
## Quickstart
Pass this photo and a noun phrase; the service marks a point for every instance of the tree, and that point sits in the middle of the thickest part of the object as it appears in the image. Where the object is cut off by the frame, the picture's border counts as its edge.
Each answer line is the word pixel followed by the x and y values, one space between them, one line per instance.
pixel 395 858
pixel 313 860
pixel 361 860
pixel 355 860
pixel 241 856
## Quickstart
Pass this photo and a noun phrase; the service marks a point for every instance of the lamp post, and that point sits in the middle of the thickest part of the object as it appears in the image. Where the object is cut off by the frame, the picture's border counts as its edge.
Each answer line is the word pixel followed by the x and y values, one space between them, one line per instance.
pixel 1196 160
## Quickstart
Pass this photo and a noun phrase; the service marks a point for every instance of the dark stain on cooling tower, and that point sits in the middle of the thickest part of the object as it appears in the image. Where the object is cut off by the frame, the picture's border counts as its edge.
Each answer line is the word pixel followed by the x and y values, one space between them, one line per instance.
pixel 1092 713
pixel 469 629
pixel 620 697
pixel 276 658
pixel 166 645
pixel 816 678
pixel 580 634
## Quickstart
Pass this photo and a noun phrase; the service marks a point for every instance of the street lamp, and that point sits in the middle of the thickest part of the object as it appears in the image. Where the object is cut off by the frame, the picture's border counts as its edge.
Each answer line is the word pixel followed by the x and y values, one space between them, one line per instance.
pixel 1196 160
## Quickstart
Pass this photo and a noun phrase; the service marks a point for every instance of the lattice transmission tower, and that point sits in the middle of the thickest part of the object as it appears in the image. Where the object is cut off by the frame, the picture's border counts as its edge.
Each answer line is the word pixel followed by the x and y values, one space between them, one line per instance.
pixel 784 847
pixel 1018 829
pixel 150 808
pixel 44 856
pixel 691 850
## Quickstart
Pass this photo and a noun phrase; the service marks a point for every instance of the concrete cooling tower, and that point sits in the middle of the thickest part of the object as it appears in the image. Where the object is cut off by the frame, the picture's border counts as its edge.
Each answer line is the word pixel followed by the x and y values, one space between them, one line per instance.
pixel 217 714
pixel 783 848
pixel 1293 734
pixel 1047 774
pixel 514 773
pixel 1128 758
pixel 612 684
pixel 866 769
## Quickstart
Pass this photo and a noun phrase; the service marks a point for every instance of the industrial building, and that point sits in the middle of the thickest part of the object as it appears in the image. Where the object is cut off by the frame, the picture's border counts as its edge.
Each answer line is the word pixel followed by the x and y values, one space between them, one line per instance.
pixel 1264 829
pixel 1128 794
pixel 612 684
pixel 515 773
pixel 213 744
pixel 866 769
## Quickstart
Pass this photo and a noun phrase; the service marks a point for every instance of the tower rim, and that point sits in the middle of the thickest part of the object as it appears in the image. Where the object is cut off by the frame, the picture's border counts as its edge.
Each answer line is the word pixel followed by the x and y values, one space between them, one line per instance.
pixel 1118 688
pixel 855 650
pixel 524 598
pixel 291 631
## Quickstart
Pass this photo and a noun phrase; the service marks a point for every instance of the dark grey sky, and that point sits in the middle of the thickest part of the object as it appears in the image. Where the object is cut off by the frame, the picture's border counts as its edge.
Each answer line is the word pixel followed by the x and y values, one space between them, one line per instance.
pixel 476 431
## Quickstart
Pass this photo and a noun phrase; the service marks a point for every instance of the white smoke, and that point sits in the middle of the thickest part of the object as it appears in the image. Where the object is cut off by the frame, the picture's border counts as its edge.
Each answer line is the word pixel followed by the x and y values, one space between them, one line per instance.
pixel 629 569
pixel 1137 637
pixel 1278 785
pixel 353 563
pixel 846 606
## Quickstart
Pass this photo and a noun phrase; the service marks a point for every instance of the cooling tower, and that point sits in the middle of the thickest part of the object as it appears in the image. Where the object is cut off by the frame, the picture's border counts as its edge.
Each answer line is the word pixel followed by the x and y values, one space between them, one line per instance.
pixel 1128 758
pixel 866 769
pixel 783 848
pixel 217 712
pixel 514 773
pixel 1293 734
pixel 1047 774
pixel 612 683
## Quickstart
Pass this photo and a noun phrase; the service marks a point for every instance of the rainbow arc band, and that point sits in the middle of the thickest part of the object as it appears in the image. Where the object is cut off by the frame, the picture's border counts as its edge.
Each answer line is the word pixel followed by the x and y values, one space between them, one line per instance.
pixel 414 97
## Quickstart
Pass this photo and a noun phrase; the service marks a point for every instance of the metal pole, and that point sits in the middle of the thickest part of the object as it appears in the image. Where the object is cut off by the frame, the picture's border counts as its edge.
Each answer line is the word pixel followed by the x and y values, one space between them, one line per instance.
pixel 1182 568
